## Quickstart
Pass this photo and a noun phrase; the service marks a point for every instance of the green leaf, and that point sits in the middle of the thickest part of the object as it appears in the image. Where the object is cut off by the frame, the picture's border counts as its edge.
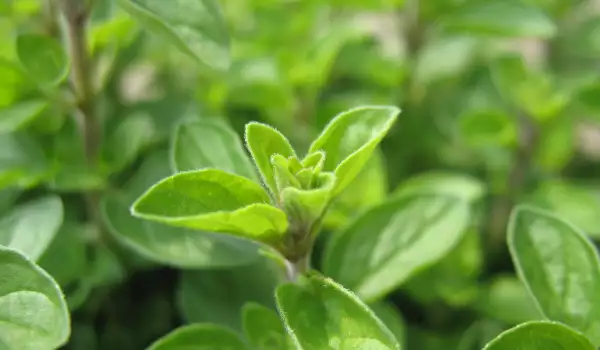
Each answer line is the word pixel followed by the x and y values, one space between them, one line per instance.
pixel 389 243
pixel 503 18
pixel 263 142
pixel 570 201
pixel 321 314
pixel 453 279
pixel 209 144
pixel 540 335
pixel 559 266
pixel 506 299
pixel 22 160
pixel 444 57
pixel 66 259
pixel 30 227
pixel 488 128
pixel 531 90
pixel 369 187
pixel 43 57
pixel 203 298
pixel 166 244
pixel 195 27
pixel 19 115
pixel 264 328
pixel 213 200
pixel 350 139
pixel 126 142
pixel 444 183
pixel 392 318
pixel 32 308
pixel 199 337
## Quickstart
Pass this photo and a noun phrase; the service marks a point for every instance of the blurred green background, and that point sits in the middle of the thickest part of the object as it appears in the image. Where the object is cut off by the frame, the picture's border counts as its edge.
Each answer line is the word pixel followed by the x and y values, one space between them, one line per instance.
pixel 498 97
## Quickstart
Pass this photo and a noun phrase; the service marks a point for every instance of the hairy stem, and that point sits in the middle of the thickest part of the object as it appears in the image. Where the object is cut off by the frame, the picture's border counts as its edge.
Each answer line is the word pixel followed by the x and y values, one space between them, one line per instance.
pixel 295 269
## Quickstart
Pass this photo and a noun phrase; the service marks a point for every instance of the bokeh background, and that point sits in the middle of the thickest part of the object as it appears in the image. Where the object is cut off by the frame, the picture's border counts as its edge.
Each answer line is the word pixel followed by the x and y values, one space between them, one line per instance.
pixel 500 97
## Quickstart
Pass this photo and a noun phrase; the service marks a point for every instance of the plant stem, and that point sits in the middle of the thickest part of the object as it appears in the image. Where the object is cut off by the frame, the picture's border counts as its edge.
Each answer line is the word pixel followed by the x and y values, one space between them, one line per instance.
pixel 516 181
pixel 76 13
pixel 297 268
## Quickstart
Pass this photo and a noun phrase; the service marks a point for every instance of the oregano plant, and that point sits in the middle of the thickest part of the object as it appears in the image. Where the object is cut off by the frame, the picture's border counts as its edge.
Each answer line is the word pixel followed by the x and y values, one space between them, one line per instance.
pixel 211 174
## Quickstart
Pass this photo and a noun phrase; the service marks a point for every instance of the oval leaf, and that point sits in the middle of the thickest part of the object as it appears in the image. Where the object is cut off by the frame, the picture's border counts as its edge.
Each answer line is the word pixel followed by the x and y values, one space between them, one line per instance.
pixel 389 243
pixel 166 244
pixel 43 57
pixel 196 27
pixel 504 18
pixel 321 314
pixel 30 227
pixel 209 144
pixel 540 335
pixel 215 201
pixel 264 328
pixel 199 336
pixel 32 308
pixel 263 142
pixel 451 184
pixel 350 138
pixel 559 266
pixel 18 115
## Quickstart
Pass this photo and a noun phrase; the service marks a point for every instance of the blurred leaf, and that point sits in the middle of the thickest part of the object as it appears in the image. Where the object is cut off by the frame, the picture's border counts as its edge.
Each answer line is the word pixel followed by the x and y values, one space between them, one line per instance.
pixel 11 82
pixel 506 299
pixel 479 334
pixel 65 259
pixel 540 335
pixel 29 228
pixel 32 308
pixel 503 18
pixel 264 329
pixel 22 160
pixel 556 144
pixel 350 139
pixel 570 202
pixel 389 243
pixel 196 27
pixel 319 312
pixel 532 91
pixel 209 144
pixel 443 183
pixel 444 57
pixel 127 141
pixel 559 266
pixel 312 70
pixel 19 115
pixel 199 336
pixel 454 278
pixel 482 128
pixel 217 296
pixel 117 30
pixel 105 269
pixel 74 172
pixel 43 57
pixel 263 141
pixel 166 244
pixel 216 201
pixel 589 97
